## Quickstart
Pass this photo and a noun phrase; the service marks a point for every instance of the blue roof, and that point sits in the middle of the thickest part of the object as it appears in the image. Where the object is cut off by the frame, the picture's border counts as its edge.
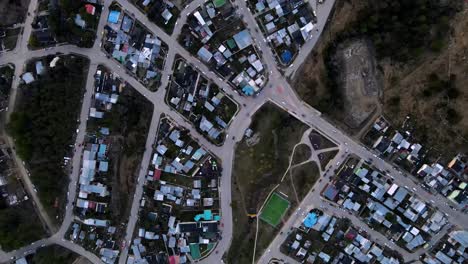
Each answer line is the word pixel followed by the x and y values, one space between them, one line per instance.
pixel 206 215
pixel 243 39
pixel 310 220
pixel 114 16
pixel 248 90
pixel 105 131
pixel 286 56
pixel 102 150
pixel 103 166
pixel 331 192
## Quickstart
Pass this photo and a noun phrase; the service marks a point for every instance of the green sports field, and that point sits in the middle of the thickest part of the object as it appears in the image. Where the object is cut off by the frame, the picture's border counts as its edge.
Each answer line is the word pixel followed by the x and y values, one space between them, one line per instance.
pixel 274 210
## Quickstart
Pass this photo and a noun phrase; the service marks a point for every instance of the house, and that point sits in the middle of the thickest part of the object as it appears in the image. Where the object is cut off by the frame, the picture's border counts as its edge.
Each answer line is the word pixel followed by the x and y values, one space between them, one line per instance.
pixel 90 9
pixel 79 21
pixel 204 54
pixel 39 68
pixel 96 222
pixel 113 17
pixel 28 78
pixel 243 39
pixel 167 15
pixel 127 24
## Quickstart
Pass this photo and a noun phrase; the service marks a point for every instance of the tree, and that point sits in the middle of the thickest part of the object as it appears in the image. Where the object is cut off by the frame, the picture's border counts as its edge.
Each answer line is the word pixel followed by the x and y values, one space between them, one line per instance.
pixel 33 41
pixel 391 218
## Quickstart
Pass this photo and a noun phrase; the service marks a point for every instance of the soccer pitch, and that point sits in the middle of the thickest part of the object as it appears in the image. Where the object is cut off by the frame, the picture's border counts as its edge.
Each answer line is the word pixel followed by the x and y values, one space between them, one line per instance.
pixel 274 210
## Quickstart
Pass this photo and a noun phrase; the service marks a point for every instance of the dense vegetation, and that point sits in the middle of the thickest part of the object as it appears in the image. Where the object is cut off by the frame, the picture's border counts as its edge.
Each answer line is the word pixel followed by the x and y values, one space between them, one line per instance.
pixel 18 228
pixel 401 30
pixel 44 123
pixel 53 255
pixel 6 77
pixel 61 21
pixel 404 29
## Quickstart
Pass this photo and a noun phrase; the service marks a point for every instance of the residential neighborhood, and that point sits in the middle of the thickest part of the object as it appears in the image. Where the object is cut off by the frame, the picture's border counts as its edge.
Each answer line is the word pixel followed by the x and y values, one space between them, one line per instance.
pixel 286 25
pixel 101 208
pixel 218 37
pixel 137 49
pixel 393 210
pixel 201 101
pixel 325 238
pixel 214 131
pixel 179 213
pixel 448 179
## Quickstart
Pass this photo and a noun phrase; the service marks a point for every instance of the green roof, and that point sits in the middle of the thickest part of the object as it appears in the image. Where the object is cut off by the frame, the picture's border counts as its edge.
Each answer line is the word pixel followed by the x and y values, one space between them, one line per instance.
pixel 195 251
pixel 231 43
pixel 219 3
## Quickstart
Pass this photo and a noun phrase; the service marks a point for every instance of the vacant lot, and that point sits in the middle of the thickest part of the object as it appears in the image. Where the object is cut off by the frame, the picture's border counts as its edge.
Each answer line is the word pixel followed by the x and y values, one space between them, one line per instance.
pixel 358 80
pixel 302 153
pixel 19 226
pixel 44 122
pixel 53 254
pixel 9 41
pixel 13 11
pixel 257 169
pixel 319 141
pixel 326 157
pixel 304 177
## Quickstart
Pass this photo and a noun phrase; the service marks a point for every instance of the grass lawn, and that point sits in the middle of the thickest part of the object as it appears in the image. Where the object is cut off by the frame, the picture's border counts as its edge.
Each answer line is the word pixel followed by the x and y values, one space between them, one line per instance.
pixel 11 37
pixel 301 154
pixel 304 177
pixel 257 169
pixel 326 157
pixel 274 210
pixel 319 141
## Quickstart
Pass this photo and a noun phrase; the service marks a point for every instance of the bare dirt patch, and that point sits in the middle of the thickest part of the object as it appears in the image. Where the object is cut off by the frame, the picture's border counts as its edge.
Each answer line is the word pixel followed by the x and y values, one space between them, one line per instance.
pixel 358 80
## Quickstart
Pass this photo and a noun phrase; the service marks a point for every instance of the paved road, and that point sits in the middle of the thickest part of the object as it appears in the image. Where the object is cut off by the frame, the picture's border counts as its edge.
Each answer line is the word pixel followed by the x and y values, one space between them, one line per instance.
pixel 314 200
pixel 277 91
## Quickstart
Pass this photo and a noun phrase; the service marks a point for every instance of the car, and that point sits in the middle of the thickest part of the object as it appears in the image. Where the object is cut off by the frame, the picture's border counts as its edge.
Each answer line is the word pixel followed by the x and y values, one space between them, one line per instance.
pixel 338 163
pixel 77 130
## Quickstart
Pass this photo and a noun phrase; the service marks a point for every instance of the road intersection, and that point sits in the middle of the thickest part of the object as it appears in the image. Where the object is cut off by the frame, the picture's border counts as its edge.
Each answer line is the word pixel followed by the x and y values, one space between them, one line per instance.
pixel 277 91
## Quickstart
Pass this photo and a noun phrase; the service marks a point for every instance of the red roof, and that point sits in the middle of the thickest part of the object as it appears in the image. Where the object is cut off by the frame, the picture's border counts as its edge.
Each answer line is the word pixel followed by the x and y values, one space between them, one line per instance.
pixel 90 9
pixel 157 175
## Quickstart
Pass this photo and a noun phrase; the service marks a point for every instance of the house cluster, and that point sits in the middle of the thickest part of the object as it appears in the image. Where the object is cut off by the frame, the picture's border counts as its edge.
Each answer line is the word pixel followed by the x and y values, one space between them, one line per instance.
pixel 452 249
pixel 200 101
pixel 449 180
pixel 340 242
pixel 287 25
pixel 221 40
pixel 163 13
pixel 137 49
pixel 80 21
pixel 12 192
pixel 94 229
pixel 399 146
pixel 40 69
pixel 180 207
pixel 182 241
pixel 389 208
